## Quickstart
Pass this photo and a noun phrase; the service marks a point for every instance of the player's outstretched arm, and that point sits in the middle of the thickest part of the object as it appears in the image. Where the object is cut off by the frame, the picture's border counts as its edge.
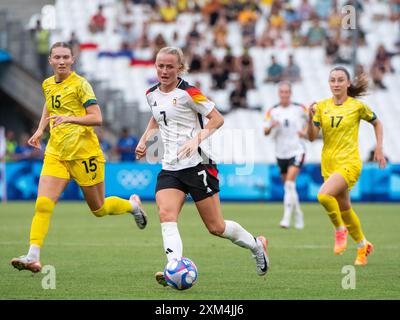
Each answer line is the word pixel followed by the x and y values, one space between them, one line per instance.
pixel 34 141
pixel 378 155
pixel 141 147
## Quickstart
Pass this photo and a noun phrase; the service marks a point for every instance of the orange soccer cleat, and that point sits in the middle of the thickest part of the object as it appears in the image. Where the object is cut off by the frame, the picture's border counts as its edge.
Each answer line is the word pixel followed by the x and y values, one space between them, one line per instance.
pixel 362 254
pixel 26 263
pixel 340 241
pixel 161 279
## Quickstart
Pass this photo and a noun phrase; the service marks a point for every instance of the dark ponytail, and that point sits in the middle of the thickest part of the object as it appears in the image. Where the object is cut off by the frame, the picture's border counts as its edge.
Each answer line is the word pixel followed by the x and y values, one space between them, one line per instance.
pixel 359 87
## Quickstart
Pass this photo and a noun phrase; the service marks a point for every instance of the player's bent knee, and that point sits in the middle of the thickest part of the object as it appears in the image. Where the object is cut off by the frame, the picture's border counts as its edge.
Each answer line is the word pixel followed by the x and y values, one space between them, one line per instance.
pixel 324 199
pixel 44 205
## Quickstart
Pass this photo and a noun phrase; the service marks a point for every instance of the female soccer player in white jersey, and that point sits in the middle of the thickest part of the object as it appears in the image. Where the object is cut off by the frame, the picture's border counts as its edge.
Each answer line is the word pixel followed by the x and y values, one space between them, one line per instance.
pixel 339 118
pixel 177 109
pixel 73 152
pixel 287 124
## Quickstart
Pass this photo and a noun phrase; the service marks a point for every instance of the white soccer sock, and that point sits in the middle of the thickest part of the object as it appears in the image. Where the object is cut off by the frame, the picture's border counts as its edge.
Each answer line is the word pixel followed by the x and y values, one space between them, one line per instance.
pixel 294 195
pixel 361 244
pixel 287 202
pixel 34 252
pixel 239 236
pixel 172 240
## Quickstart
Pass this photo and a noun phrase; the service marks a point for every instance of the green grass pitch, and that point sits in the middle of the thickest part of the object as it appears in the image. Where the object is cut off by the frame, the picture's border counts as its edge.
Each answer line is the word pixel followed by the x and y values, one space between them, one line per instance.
pixel 110 258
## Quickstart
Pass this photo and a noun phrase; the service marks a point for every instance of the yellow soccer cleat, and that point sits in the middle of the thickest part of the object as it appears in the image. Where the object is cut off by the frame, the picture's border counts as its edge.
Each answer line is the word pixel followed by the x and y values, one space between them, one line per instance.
pixel 362 254
pixel 340 241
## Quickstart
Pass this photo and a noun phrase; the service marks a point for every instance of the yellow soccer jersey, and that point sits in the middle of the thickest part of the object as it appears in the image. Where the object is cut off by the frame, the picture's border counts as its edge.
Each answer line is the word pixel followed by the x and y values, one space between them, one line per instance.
pixel 70 97
pixel 339 126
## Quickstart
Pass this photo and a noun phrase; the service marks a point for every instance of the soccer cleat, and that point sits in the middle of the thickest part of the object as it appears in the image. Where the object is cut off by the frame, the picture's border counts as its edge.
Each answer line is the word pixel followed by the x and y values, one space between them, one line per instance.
pixel 26 263
pixel 340 241
pixel 140 215
pixel 362 254
pixel 284 224
pixel 161 279
pixel 261 257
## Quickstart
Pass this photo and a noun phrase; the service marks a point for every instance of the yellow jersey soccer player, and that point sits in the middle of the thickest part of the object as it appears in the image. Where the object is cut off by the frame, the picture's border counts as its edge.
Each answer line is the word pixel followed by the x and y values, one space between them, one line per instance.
pixel 73 152
pixel 339 118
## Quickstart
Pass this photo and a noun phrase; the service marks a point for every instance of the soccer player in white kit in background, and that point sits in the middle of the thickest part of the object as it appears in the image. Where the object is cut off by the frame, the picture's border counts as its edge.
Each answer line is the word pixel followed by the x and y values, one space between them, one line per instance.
pixel 287 124
pixel 177 111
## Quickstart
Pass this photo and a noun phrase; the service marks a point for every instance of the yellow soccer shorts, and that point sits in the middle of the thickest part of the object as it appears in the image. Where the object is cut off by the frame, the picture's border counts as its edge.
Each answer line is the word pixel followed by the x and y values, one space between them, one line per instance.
pixel 86 172
pixel 349 172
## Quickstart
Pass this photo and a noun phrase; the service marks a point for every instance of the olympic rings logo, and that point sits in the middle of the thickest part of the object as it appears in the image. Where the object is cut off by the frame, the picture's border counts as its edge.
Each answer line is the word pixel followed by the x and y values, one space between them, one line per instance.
pixel 131 179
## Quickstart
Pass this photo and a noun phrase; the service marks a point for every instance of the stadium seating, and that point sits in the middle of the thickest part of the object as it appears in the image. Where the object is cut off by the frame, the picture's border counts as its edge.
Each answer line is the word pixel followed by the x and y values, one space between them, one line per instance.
pixel 120 73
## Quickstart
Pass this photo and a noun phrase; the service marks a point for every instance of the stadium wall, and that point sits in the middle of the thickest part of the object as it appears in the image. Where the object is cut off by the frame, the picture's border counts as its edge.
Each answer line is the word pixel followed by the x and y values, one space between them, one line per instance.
pixel 237 182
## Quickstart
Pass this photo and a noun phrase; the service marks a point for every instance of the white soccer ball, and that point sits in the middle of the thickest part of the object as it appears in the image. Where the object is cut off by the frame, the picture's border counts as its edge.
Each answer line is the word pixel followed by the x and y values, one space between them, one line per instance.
pixel 180 274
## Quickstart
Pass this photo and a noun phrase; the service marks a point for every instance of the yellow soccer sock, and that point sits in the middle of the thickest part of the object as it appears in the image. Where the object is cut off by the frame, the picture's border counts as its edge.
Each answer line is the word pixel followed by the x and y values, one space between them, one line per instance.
pixel 41 220
pixel 113 206
pixel 332 207
pixel 353 225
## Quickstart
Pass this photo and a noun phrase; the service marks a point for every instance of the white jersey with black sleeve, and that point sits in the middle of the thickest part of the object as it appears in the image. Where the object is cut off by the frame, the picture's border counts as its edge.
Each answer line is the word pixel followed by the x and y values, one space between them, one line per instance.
pixel 178 115
pixel 291 119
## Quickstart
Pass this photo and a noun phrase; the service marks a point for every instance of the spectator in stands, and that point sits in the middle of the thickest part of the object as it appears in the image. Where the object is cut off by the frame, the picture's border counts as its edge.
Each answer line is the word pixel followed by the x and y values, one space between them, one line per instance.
pixel 126 146
pixel 238 97
pixel 24 151
pixel 211 12
pixel 144 41
pixel 105 144
pixel 193 36
pixel 177 40
pixel 124 14
pixel 305 10
pixel 209 61
pixel 323 8
pixel 274 71
pixel 247 19
pixel 245 67
pixel 74 44
pixel 331 50
pixel 292 18
pixel 168 12
pixel 42 38
pixel 158 43
pixel 394 10
pixel 228 61
pixel 221 32
pixel 11 145
pixel 128 37
pixel 219 77
pixel 76 49
pixel 315 35
pixel 195 62
pixel 335 21
pixel 98 21
pixel 292 71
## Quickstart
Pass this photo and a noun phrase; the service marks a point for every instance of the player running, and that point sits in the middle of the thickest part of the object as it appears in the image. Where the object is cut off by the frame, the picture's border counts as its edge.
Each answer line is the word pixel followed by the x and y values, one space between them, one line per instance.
pixel 287 124
pixel 177 111
pixel 339 118
pixel 73 152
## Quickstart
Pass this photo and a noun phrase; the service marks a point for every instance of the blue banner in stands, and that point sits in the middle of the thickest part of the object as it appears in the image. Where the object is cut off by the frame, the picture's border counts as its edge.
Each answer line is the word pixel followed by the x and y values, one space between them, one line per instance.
pixel 238 182
pixel 4 56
